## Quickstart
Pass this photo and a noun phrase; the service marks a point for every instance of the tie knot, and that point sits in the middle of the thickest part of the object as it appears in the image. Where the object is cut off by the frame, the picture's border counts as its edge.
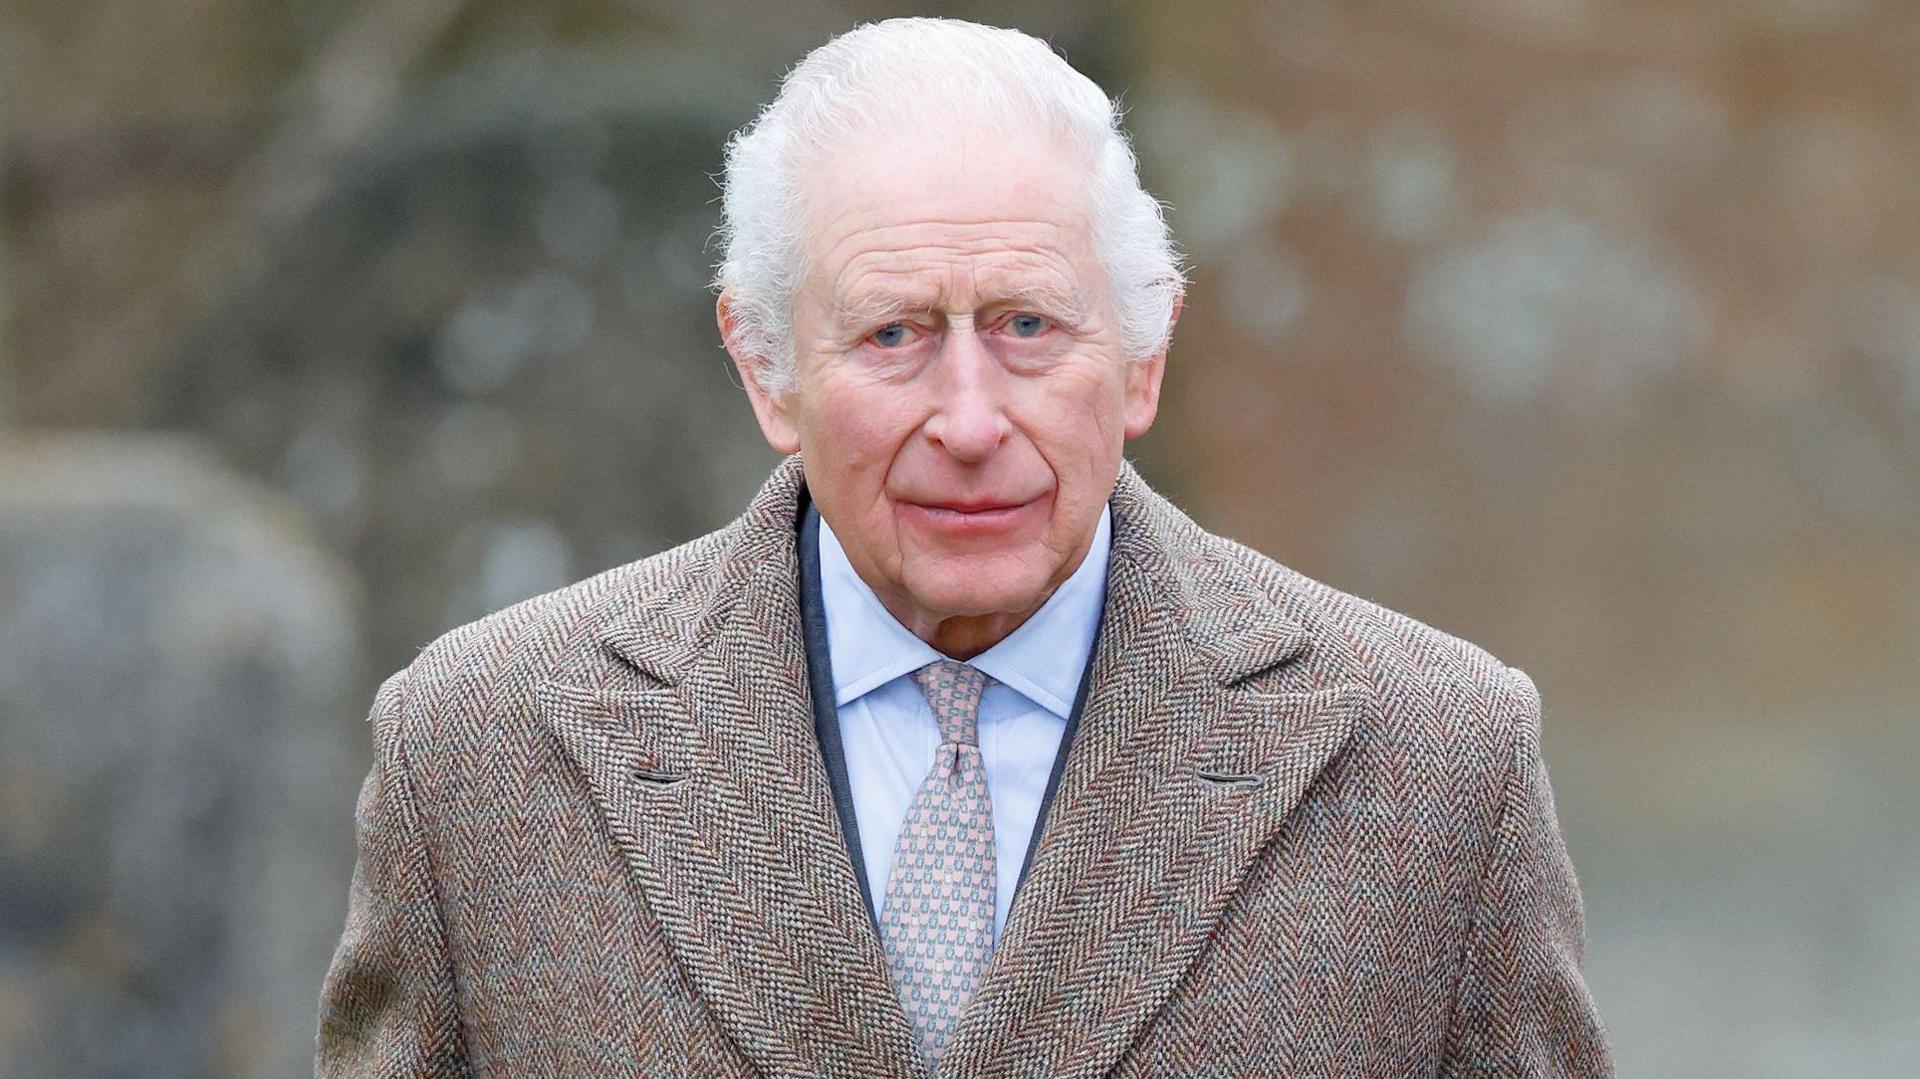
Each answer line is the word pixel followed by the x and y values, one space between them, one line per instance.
pixel 953 691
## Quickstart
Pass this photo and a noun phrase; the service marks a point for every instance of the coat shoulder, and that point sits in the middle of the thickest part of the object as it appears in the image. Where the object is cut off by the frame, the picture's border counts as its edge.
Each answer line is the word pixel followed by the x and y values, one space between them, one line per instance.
pixel 1419 674
pixel 1447 719
pixel 1349 636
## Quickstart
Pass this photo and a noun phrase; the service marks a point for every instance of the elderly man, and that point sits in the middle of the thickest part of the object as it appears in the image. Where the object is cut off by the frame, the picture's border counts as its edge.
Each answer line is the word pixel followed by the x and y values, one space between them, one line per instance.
pixel 961 748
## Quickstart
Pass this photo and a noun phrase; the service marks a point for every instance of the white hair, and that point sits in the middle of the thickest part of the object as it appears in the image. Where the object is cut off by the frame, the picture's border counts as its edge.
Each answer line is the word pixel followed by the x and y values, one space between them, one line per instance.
pixel 887 71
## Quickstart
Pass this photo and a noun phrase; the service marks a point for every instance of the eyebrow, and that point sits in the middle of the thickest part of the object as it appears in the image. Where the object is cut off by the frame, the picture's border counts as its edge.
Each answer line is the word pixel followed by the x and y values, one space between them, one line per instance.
pixel 1072 306
pixel 862 310
pixel 867 309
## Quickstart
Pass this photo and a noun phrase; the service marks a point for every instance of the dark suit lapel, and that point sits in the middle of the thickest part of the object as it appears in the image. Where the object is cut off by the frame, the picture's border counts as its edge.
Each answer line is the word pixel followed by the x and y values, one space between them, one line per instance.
pixel 826 713
pixel 712 784
pixel 1179 774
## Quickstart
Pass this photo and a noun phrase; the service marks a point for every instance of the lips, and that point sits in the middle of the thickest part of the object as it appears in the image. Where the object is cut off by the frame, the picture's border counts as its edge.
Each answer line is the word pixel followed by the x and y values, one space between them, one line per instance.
pixel 988 505
pixel 972 516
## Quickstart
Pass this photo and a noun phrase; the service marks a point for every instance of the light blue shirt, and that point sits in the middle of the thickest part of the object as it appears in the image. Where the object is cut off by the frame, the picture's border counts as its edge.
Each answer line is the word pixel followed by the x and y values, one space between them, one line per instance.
pixel 888 731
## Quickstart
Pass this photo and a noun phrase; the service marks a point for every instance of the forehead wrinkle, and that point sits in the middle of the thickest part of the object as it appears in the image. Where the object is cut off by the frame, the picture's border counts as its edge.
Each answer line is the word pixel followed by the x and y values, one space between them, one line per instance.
pixel 960 235
pixel 931 273
pixel 924 272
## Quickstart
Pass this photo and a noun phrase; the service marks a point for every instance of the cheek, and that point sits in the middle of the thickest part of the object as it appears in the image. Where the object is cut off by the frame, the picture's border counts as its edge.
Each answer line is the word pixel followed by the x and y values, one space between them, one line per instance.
pixel 848 432
pixel 1081 417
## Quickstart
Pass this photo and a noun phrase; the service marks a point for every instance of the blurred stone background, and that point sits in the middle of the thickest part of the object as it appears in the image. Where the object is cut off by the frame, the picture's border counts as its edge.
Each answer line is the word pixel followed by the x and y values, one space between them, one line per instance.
pixel 1587 330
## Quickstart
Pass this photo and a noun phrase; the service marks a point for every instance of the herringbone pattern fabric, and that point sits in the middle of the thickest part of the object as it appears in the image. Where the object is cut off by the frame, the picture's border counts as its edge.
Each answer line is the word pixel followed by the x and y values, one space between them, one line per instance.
pixel 938 917
pixel 1296 834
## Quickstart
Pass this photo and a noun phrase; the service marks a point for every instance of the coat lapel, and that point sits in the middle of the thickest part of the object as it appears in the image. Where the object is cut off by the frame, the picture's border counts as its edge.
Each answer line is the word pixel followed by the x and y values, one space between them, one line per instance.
pixel 711 782
pixel 1180 773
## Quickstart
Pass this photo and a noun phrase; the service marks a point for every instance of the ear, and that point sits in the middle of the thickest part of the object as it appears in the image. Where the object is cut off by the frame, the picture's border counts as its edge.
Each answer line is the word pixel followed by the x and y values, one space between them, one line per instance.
pixel 770 409
pixel 1143 379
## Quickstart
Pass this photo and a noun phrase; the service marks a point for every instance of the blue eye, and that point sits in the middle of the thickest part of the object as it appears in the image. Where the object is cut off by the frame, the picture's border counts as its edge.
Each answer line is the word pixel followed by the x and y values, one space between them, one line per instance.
pixel 890 336
pixel 1027 325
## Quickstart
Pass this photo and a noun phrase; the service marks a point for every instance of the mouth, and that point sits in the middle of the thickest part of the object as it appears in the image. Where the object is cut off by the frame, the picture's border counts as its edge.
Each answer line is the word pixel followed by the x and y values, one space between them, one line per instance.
pixel 972 516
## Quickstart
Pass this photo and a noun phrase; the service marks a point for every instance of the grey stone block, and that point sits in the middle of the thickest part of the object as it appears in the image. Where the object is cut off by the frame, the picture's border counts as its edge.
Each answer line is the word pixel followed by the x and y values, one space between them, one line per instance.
pixel 177 662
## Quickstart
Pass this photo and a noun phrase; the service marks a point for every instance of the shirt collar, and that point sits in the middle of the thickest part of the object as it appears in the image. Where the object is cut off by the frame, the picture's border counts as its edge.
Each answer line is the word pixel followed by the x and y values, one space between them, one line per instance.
pixel 1042 660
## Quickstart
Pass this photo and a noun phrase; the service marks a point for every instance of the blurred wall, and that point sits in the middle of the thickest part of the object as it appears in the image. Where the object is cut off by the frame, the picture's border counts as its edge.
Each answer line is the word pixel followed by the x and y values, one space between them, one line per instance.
pixel 1588 331
pixel 1591 332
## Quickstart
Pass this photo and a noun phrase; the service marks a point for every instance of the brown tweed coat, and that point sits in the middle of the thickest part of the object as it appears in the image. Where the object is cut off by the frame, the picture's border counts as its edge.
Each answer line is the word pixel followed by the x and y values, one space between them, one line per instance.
pixel 1297 834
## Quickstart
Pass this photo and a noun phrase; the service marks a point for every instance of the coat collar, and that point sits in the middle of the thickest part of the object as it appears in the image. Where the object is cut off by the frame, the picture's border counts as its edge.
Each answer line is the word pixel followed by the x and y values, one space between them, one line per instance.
pixel 1184 765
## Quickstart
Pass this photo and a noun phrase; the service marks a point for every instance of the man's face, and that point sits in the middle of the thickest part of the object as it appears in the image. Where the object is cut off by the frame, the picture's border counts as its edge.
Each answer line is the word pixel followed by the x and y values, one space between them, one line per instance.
pixel 961 397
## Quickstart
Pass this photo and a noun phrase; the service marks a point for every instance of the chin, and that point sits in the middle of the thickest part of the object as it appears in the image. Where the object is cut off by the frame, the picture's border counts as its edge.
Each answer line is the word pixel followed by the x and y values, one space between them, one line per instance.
pixel 984 592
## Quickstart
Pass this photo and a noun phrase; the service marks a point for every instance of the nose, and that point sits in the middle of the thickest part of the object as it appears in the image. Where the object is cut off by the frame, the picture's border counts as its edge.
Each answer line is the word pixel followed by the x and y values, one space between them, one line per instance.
pixel 969 419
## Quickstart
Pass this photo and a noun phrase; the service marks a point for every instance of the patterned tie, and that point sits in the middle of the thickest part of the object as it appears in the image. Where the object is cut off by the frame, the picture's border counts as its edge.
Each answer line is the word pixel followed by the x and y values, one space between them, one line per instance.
pixel 938 918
